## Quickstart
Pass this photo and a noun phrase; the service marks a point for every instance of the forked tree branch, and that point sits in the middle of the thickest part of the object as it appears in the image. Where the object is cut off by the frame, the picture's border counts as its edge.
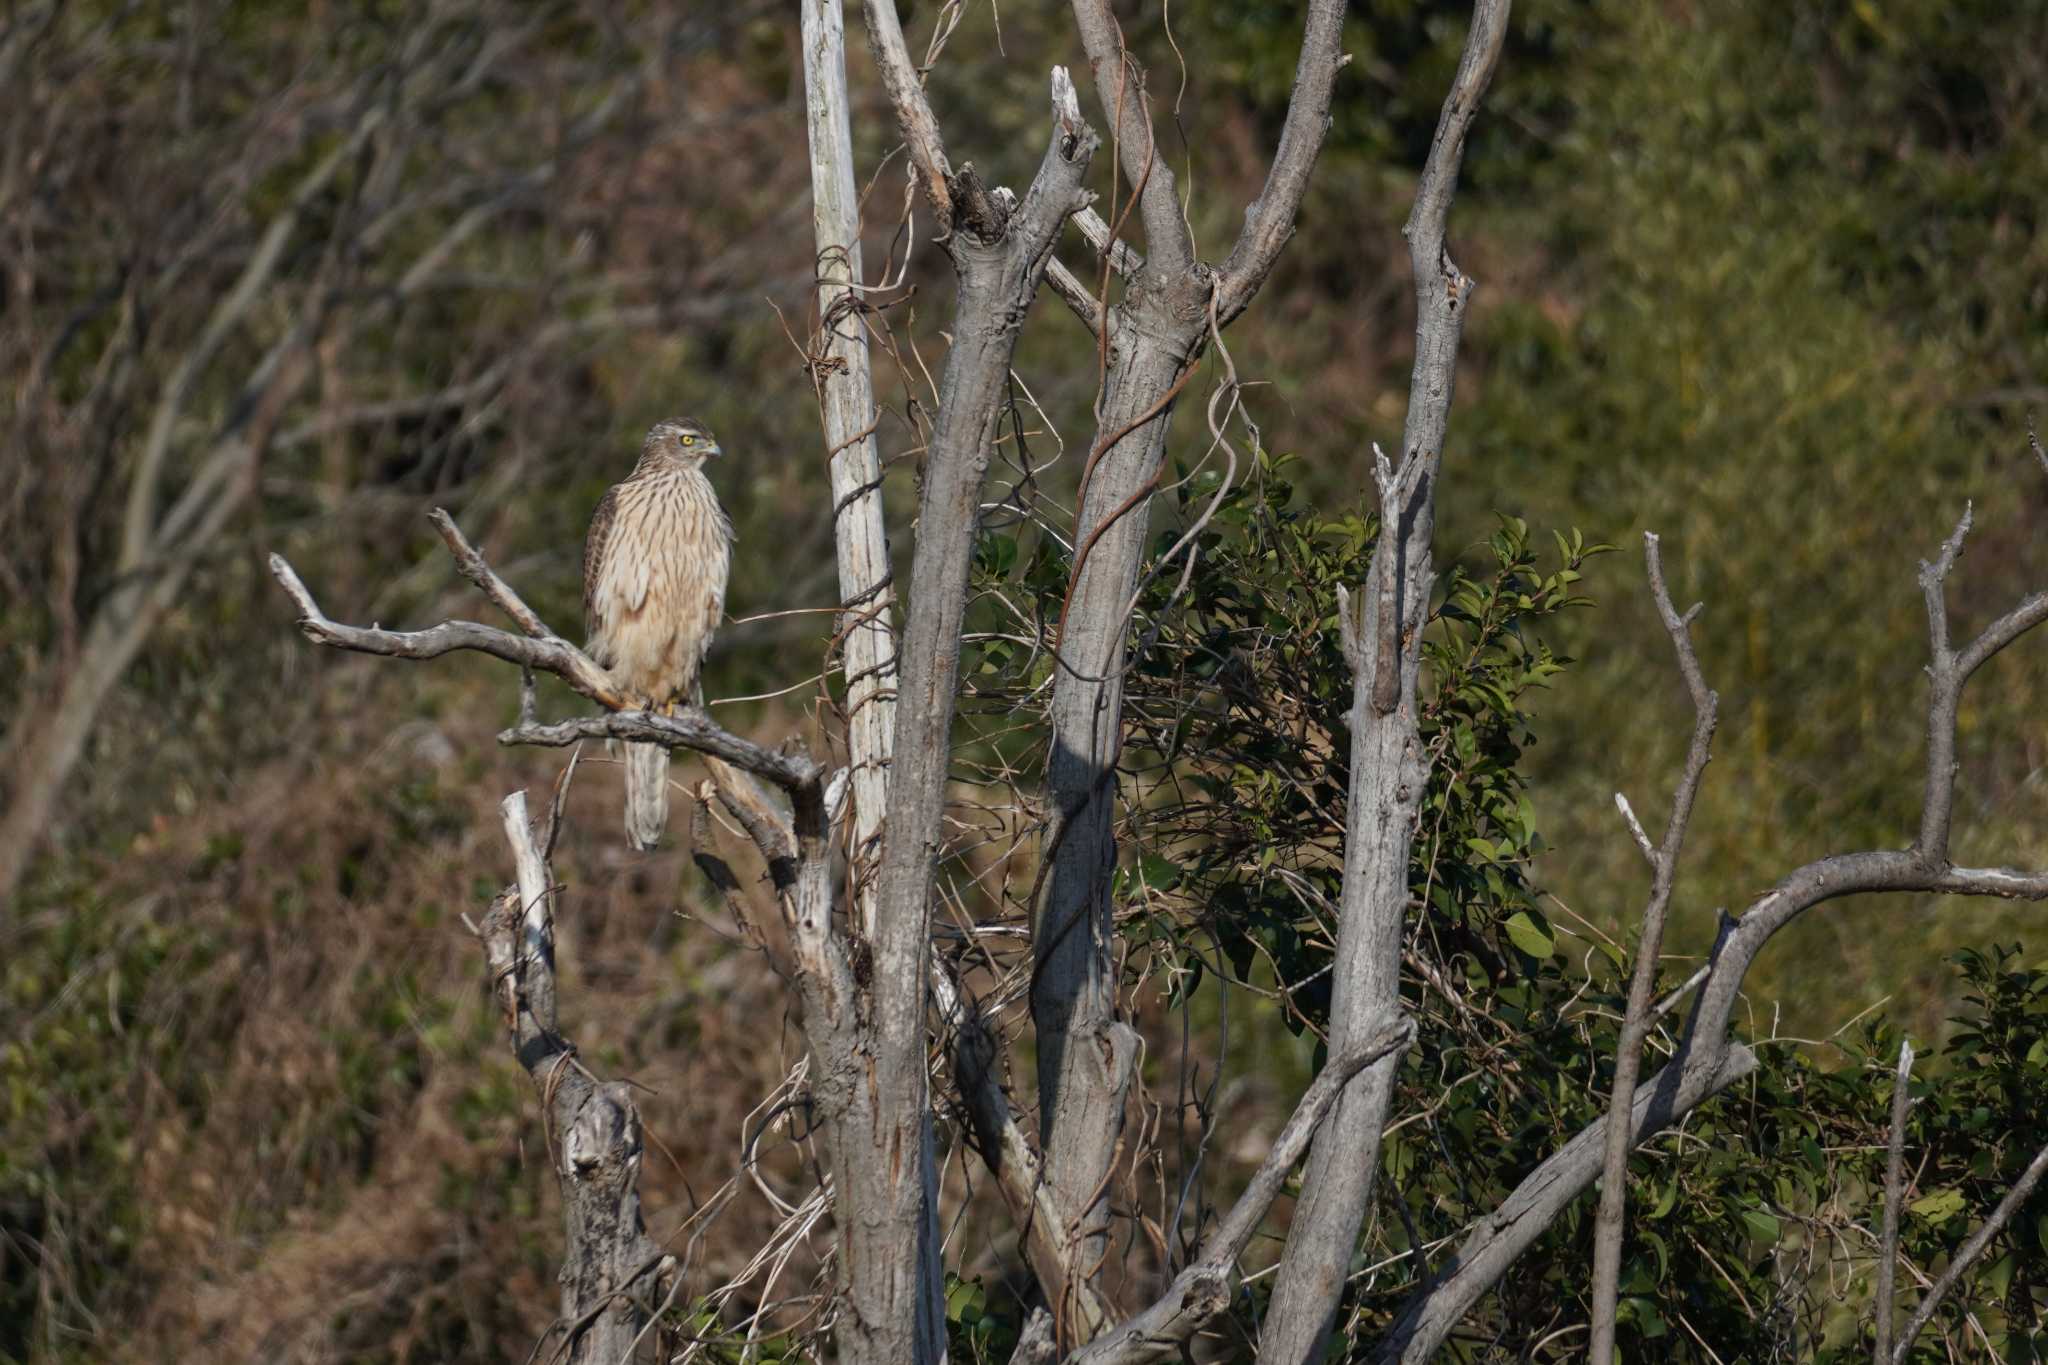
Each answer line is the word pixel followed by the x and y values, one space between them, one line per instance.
pixel 1170 311
pixel 542 650
pixel 1708 1059
pixel 1389 762
pixel 1638 1019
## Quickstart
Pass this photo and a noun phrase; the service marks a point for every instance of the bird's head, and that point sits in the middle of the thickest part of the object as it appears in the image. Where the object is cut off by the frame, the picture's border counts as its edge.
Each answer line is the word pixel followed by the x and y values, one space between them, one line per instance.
pixel 679 443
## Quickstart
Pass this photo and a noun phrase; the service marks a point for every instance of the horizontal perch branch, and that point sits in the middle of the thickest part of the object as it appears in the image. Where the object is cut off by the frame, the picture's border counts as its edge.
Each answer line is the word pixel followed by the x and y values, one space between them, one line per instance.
pixel 540 649
pixel 685 730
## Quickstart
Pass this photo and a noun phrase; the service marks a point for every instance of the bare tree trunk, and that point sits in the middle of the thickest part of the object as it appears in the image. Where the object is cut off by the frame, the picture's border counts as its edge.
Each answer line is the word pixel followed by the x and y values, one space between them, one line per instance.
pixel 1086 1055
pixel 1154 337
pixel 999 253
pixel 847 401
pixel 1389 769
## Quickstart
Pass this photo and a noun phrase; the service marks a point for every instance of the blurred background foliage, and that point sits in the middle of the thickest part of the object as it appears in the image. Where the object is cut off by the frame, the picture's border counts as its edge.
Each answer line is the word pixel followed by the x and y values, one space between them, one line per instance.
pixel 1769 279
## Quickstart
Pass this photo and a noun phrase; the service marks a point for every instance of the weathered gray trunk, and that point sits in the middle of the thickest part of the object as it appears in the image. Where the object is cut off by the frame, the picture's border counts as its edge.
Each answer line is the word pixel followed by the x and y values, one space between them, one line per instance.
pixel 886 1185
pixel 1156 334
pixel 1085 1054
pixel 1388 765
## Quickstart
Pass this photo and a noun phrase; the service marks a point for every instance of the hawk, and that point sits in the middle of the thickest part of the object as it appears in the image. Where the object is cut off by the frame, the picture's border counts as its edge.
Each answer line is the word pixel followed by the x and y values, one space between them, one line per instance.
pixel 654 570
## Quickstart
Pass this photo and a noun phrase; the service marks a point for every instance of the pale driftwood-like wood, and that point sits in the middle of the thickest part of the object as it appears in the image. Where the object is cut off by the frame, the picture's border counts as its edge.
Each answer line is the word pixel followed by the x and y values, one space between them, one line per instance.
pixel 1389 767
pixel 1709 1059
pixel 1639 1016
pixel 841 371
pixel 610 1268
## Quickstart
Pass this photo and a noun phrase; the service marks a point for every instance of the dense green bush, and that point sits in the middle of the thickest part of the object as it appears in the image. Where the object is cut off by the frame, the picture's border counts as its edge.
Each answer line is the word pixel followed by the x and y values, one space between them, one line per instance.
pixel 1752 1226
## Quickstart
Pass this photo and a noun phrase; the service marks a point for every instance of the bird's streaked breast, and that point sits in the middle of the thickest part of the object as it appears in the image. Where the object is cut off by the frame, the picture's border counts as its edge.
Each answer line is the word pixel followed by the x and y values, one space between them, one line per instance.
pixel 662 587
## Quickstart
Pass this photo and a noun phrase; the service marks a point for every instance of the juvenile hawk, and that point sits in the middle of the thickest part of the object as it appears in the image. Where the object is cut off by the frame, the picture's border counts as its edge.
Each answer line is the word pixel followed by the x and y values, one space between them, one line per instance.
pixel 654 570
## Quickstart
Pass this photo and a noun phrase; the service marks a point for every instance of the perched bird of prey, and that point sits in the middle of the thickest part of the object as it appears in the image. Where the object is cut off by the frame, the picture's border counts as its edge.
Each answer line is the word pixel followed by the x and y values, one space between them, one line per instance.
pixel 654 570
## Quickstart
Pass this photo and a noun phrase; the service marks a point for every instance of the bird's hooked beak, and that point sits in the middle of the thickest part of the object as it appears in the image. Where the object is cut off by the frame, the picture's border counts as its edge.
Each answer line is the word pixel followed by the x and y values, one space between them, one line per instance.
pixel 712 450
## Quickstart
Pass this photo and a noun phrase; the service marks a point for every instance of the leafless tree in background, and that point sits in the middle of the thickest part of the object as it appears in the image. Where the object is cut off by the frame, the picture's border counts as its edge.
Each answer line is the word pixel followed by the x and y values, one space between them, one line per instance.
pixel 898 1042
pixel 186 329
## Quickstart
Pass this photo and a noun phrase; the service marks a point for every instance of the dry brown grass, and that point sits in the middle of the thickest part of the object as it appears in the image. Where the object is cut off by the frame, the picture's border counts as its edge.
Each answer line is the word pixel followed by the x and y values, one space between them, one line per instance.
pixel 333 1155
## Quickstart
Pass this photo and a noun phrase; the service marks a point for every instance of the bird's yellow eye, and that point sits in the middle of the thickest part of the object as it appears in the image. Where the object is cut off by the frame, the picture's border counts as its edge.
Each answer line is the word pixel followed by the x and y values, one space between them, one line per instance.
pixel 689 440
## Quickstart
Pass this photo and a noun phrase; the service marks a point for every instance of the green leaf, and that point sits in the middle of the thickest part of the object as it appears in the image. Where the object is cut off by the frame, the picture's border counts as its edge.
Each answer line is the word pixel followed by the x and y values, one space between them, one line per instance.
pixel 1528 931
pixel 1643 1313
pixel 1763 1224
pixel 1999 1277
pixel 1938 1207
pixel 1815 1157
pixel 1156 873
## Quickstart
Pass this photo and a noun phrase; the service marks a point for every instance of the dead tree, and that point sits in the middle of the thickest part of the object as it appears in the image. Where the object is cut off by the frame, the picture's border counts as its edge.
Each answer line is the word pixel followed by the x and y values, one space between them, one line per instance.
pixel 1383 645
pixel 881 1010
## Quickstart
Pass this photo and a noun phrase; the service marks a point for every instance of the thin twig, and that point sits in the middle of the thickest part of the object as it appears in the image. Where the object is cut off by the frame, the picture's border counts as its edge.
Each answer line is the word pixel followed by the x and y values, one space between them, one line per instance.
pixel 1608 1227
pixel 1894 1193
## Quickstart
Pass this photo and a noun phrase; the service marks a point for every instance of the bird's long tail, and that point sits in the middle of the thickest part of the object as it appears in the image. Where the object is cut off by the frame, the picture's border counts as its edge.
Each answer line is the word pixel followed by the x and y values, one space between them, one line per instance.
pixel 646 794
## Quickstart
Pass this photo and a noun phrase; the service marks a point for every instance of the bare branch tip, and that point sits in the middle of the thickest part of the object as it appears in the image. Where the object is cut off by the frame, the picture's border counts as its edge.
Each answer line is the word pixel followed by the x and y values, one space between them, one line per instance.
pixel 1635 829
pixel 1066 104
pixel 1385 475
pixel 1954 545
